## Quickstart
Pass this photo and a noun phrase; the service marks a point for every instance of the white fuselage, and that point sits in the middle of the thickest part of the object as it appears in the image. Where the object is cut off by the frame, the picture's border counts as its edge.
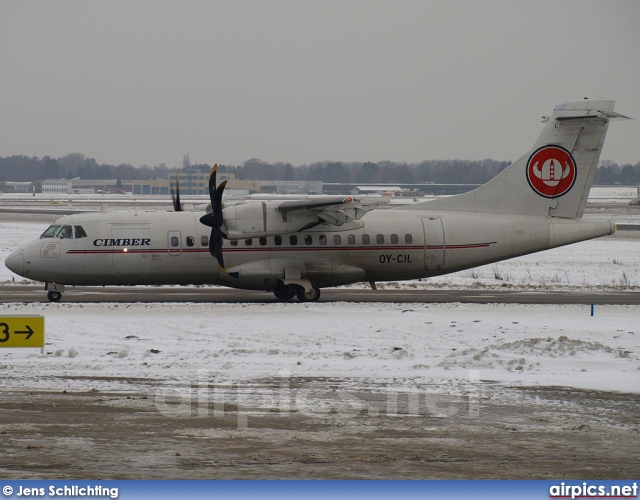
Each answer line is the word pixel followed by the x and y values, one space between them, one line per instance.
pixel 153 248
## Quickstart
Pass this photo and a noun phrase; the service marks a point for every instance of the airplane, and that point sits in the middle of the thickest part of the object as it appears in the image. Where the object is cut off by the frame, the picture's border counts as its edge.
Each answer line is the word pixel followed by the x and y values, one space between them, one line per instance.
pixel 294 248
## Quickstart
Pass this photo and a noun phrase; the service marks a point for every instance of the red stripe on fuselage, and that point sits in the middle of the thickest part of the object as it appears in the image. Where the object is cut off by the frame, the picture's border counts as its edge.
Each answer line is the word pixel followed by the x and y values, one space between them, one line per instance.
pixel 281 249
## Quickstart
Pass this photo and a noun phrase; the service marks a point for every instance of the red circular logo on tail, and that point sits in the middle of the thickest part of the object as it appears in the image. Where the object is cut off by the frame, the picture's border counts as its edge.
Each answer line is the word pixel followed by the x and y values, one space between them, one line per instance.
pixel 551 171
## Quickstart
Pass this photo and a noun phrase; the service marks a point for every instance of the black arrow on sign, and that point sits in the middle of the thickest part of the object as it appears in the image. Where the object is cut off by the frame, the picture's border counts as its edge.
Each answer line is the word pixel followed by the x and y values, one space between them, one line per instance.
pixel 28 333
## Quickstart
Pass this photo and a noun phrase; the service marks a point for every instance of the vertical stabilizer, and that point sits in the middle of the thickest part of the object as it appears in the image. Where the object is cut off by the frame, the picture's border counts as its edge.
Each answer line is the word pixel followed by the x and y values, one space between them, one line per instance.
pixel 554 177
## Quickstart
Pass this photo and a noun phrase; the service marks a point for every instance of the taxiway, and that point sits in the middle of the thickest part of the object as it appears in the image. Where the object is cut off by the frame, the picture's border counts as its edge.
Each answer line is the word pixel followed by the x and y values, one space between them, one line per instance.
pixel 217 295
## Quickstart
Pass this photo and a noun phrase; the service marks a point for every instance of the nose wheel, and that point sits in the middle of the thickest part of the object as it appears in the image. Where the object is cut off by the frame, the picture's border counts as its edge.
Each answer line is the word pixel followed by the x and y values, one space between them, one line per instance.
pixel 54 296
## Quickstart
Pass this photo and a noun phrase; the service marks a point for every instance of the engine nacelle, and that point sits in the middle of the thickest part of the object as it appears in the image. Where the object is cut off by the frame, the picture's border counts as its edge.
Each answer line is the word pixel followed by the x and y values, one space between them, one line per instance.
pixel 255 219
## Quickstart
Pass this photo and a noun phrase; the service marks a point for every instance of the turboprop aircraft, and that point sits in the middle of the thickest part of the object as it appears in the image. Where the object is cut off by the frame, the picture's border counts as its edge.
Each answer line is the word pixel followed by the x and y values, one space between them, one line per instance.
pixel 296 247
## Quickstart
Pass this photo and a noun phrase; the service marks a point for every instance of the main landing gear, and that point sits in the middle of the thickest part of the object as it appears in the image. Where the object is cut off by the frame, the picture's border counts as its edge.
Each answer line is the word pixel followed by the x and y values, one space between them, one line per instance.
pixel 54 296
pixel 311 295
pixel 287 292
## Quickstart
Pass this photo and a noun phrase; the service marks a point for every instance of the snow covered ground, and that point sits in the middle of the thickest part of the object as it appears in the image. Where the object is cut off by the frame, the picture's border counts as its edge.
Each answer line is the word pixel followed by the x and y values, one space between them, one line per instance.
pixel 448 349
pixel 613 194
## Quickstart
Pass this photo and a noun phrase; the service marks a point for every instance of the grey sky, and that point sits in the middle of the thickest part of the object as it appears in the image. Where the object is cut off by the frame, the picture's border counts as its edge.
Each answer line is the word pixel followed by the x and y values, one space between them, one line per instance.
pixel 144 82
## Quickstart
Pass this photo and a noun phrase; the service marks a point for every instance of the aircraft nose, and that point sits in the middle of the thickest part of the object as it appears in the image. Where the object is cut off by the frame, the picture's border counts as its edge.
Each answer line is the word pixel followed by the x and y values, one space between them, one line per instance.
pixel 15 262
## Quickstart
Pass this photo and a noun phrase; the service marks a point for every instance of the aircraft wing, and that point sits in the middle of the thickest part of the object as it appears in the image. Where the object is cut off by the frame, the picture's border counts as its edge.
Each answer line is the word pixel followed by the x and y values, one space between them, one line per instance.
pixel 257 219
pixel 335 210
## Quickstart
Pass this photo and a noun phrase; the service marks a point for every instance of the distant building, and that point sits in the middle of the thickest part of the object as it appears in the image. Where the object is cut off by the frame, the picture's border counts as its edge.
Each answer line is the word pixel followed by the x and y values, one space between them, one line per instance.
pixel 88 186
pixel 291 187
pixel 379 190
pixel 16 187
pixel 56 186
pixel 151 187
pixel 194 181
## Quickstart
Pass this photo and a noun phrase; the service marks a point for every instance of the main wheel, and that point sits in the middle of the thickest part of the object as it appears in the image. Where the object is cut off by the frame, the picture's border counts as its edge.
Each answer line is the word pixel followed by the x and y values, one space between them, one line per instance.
pixel 54 296
pixel 308 296
pixel 284 293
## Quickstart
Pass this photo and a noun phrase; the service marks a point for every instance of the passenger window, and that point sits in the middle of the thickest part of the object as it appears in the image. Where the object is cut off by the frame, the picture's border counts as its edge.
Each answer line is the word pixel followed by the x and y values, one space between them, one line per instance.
pixel 308 239
pixel 351 239
pixel 277 240
pixel 248 242
pixel 263 241
pixel 379 239
pixel 394 239
pixel 365 239
pixel 293 239
pixel 189 241
pixel 174 241
pixel 65 232
pixel 323 239
pixel 408 238
pixel 204 241
pixel 234 243
pixel 337 239
pixel 79 231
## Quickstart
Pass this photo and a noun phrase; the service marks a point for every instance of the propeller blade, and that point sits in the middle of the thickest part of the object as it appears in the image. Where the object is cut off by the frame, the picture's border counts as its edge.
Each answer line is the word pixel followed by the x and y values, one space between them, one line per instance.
pixel 177 206
pixel 212 186
pixel 218 205
pixel 207 220
pixel 214 219
pixel 216 241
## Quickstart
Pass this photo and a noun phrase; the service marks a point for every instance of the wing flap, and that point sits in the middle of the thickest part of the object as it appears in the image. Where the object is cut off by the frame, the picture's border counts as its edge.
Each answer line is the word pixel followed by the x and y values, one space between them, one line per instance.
pixel 313 203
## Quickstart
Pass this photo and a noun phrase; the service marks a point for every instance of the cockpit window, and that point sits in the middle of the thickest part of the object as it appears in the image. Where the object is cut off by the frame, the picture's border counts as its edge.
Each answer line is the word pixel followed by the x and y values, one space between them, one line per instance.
pixel 65 232
pixel 50 232
pixel 79 231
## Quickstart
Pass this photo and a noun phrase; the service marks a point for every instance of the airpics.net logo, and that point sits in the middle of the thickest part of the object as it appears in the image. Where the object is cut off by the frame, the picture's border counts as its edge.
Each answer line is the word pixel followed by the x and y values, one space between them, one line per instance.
pixel 207 397
pixel 586 490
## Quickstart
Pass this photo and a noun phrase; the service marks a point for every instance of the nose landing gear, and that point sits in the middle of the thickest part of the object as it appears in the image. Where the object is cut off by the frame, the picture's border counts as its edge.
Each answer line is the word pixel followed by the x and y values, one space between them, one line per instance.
pixel 54 291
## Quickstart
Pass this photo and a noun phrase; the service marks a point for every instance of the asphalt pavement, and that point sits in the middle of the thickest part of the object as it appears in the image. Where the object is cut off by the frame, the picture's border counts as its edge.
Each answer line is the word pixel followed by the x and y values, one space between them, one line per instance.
pixel 147 294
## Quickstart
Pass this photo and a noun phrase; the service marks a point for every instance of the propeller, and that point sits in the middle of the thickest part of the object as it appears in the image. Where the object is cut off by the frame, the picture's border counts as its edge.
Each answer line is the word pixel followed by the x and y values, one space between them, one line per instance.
pixel 177 207
pixel 214 219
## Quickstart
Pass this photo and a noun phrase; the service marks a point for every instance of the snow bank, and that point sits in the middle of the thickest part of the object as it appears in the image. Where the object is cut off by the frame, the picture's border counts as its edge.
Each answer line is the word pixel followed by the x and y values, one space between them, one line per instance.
pixel 405 347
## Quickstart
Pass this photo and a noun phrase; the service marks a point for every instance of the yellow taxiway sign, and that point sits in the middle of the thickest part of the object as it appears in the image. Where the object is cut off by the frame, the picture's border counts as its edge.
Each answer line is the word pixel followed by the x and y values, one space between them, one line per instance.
pixel 22 331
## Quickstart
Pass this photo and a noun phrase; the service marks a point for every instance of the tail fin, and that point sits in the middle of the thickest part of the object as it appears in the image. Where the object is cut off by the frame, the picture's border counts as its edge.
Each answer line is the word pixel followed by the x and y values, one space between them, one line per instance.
pixel 554 178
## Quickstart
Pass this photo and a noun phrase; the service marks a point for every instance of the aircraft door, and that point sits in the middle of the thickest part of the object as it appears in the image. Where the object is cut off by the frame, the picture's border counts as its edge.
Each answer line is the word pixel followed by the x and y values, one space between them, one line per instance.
pixel 434 245
pixel 133 260
pixel 174 243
